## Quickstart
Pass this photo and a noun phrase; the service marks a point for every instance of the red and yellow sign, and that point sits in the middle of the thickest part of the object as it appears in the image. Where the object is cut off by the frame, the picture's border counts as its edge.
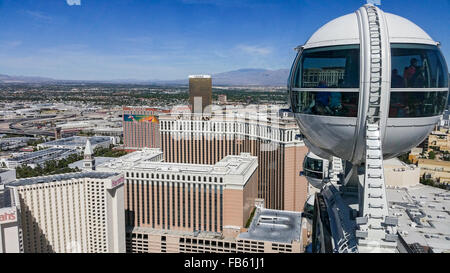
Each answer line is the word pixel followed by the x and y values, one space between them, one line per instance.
pixel 141 118
pixel 8 216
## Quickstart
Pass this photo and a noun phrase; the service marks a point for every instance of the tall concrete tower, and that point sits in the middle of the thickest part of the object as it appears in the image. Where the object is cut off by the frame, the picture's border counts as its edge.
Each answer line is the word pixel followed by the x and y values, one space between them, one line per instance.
pixel 200 93
pixel 89 160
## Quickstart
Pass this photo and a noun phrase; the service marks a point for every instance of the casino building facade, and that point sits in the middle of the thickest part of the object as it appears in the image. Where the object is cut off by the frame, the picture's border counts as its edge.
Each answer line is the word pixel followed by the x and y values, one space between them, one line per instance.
pixel 271 138
pixel 141 127
pixel 75 212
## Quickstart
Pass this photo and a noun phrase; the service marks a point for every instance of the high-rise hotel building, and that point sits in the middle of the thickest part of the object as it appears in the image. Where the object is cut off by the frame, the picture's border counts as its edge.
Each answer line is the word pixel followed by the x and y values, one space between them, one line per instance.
pixel 200 93
pixel 175 207
pixel 187 197
pixel 271 137
pixel 75 212
pixel 140 127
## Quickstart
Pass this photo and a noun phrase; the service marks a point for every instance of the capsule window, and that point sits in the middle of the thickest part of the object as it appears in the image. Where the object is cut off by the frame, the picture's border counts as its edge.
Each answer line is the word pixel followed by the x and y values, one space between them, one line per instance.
pixel 417 104
pixel 340 104
pixel 315 175
pixel 328 67
pixel 313 164
pixel 323 79
pixel 313 168
pixel 418 66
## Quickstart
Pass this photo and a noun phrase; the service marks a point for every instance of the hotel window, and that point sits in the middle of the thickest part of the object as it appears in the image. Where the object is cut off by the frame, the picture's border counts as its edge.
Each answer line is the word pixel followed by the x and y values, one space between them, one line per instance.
pixel 204 207
pixel 178 204
pixel 193 206
pixel 143 197
pixel 184 205
pixel 210 208
pixel 163 205
pixel 132 203
pixel 157 204
pixel 168 206
pixel 189 205
pixel 199 202
pixel 215 208
pixel 221 207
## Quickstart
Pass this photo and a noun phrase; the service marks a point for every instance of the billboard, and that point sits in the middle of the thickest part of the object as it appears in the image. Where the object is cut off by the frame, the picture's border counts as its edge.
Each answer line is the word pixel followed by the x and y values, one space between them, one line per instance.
pixel 8 215
pixel 116 183
pixel 140 118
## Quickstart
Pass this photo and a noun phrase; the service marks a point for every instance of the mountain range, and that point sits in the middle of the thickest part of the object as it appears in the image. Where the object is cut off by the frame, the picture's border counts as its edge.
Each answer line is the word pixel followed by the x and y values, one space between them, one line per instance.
pixel 241 77
pixel 24 79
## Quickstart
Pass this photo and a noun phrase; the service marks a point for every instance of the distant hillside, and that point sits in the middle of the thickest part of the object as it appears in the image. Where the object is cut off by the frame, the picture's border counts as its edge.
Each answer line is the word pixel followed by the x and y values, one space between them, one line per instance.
pixel 261 77
pixel 245 77
pixel 23 79
pixel 241 77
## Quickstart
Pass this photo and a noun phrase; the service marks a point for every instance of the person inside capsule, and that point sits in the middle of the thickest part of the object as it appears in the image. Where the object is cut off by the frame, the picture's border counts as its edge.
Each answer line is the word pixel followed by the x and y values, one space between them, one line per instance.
pixel 410 73
pixel 397 80
pixel 419 81
pixel 322 100
pixel 331 68
pixel 424 74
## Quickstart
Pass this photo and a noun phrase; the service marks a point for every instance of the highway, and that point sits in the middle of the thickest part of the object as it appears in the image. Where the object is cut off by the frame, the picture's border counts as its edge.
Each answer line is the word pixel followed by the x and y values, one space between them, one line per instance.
pixel 21 127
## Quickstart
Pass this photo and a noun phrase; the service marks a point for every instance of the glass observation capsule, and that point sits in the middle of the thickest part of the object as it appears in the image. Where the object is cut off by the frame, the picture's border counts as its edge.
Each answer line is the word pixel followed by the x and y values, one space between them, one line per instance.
pixel 329 85
pixel 315 169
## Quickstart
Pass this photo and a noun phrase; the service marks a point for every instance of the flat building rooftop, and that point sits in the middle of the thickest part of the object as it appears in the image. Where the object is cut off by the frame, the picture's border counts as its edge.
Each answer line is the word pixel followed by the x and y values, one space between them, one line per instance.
pixel 423 215
pixel 60 177
pixel 199 76
pixel 146 160
pixel 275 226
pixel 77 141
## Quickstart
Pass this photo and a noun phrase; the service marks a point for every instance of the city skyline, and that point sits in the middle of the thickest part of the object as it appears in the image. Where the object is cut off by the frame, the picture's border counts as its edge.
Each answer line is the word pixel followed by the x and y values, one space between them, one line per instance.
pixel 153 40
pixel 350 153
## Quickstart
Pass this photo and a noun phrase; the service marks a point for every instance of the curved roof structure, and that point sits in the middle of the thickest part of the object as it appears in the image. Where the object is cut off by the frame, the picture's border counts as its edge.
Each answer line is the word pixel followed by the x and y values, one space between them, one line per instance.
pixel 345 30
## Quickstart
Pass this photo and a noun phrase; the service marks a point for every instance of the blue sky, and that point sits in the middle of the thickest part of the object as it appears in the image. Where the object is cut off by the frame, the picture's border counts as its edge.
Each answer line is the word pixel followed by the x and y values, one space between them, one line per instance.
pixel 146 39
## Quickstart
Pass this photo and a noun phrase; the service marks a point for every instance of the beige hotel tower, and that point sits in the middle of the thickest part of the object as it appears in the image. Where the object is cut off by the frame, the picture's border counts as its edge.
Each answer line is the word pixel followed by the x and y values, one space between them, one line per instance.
pixel 271 138
pixel 176 207
pixel 200 93
pixel 75 212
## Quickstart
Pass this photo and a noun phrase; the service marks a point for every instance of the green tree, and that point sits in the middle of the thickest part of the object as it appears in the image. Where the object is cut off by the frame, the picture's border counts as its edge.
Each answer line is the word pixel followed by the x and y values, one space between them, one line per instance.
pixel 405 158
pixel 431 155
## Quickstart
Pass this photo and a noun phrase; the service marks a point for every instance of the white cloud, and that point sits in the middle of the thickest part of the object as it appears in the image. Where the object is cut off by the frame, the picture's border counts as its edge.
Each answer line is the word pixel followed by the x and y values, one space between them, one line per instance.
pixel 73 2
pixel 374 2
pixel 38 15
pixel 255 50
